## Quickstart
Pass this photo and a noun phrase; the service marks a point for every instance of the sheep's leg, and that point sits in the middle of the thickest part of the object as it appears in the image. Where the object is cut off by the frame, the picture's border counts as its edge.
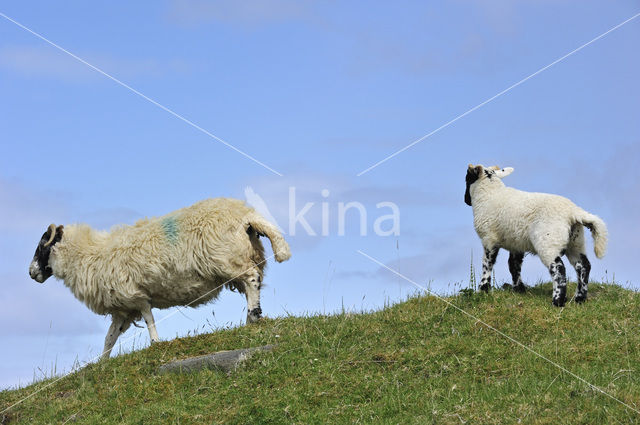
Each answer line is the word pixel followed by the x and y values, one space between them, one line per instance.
pixel 515 266
pixel 252 286
pixel 559 276
pixel 490 255
pixel 151 324
pixel 581 263
pixel 119 324
pixel 578 259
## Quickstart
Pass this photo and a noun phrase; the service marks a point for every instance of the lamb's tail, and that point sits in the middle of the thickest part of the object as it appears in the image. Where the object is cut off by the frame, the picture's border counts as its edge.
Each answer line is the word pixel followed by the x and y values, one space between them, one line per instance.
pixel 263 227
pixel 598 231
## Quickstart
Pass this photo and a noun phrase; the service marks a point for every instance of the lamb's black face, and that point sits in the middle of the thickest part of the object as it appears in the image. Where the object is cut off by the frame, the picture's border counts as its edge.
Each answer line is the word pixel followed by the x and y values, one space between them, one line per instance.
pixel 39 269
pixel 473 174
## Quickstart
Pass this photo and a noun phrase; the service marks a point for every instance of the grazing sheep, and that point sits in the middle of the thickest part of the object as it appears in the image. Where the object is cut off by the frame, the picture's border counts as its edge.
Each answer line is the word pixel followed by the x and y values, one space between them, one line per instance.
pixel 521 222
pixel 182 258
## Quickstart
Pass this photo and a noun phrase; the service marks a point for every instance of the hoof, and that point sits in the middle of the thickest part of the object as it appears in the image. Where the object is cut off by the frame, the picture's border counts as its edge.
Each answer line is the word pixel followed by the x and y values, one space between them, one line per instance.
pixel 254 315
pixel 580 298
pixel 521 289
pixel 252 319
pixel 485 287
pixel 558 302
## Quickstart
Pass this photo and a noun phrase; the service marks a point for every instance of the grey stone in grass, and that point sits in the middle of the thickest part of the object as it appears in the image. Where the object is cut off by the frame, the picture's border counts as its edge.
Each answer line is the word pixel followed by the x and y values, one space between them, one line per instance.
pixel 224 361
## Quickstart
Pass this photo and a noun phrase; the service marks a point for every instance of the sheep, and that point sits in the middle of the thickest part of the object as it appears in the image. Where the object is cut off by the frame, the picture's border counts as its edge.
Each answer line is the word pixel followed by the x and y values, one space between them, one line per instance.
pixel 549 226
pixel 183 258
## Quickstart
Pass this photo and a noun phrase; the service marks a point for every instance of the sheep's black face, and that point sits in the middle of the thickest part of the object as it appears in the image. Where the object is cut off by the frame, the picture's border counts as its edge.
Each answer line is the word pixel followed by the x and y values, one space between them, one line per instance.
pixel 39 269
pixel 473 174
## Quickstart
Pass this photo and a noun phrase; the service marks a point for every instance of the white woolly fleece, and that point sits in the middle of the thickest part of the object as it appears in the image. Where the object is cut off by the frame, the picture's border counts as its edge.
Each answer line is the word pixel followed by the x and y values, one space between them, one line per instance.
pixel 539 223
pixel 165 261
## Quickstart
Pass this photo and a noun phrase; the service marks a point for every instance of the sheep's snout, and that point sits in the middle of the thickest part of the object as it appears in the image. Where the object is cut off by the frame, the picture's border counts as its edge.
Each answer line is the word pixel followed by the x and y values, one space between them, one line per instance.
pixel 254 315
pixel 35 273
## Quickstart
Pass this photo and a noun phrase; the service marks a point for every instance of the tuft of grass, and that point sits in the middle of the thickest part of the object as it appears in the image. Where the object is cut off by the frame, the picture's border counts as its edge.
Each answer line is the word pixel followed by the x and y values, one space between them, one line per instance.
pixel 420 361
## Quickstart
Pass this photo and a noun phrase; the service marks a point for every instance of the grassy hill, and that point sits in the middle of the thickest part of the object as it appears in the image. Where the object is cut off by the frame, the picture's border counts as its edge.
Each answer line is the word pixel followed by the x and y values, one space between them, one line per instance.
pixel 420 361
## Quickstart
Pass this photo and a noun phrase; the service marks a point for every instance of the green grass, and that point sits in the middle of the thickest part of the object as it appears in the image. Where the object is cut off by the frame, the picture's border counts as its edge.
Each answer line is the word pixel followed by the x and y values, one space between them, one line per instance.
pixel 418 362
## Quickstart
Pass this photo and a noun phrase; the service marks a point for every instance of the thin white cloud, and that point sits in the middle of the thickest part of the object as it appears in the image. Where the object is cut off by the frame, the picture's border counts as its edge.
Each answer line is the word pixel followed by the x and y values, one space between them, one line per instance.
pixel 309 186
pixel 108 217
pixel 30 308
pixel 24 208
pixel 404 196
pixel 248 13
pixel 443 258
pixel 44 61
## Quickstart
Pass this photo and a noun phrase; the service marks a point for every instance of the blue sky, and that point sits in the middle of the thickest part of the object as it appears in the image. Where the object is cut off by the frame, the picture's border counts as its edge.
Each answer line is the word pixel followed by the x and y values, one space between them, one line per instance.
pixel 318 92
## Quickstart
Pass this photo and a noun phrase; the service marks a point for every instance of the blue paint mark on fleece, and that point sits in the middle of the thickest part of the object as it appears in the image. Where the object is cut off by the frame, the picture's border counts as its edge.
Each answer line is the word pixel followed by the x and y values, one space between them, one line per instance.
pixel 170 227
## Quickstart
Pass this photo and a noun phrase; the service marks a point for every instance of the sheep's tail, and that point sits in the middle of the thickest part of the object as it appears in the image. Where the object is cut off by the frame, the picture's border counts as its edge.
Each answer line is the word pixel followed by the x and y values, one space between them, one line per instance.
pixel 263 227
pixel 598 231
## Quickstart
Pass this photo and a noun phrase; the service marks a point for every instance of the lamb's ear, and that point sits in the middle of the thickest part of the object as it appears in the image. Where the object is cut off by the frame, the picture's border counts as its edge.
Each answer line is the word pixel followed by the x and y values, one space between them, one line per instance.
pixel 504 172
pixel 473 173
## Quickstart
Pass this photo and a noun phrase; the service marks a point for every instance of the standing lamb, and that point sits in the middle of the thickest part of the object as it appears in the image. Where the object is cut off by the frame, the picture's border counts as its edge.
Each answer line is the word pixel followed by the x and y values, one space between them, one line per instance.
pixel 182 258
pixel 520 222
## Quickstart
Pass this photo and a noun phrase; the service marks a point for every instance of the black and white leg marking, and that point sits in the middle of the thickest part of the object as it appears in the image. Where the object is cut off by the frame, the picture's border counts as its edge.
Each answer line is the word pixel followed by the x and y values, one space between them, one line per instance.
pixel 488 261
pixel 559 276
pixel 583 268
pixel 515 266
pixel 252 287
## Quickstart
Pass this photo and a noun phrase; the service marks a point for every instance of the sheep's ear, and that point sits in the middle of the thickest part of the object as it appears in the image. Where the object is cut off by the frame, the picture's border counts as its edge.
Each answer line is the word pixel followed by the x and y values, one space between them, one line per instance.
pixel 504 172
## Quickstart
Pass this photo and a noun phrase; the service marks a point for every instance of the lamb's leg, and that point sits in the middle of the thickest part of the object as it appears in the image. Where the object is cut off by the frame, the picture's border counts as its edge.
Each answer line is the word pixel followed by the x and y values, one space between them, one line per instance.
pixel 581 263
pixel 515 266
pixel 151 324
pixel 119 324
pixel 559 276
pixel 578 259
pixel 252 284
pixel 490 255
